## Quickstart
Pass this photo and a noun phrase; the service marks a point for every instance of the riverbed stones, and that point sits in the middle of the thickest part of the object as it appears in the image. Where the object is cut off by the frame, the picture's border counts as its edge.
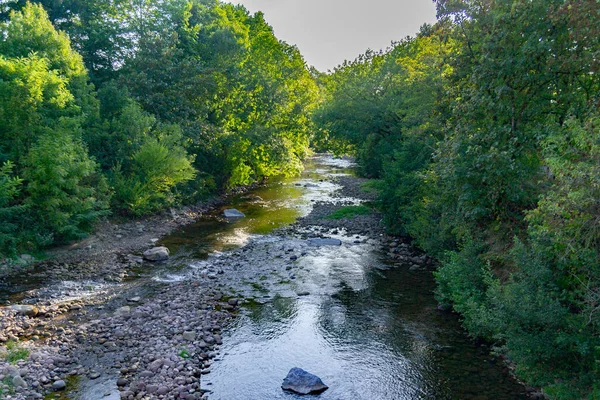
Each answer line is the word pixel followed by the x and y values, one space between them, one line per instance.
pixel 160 253
pixel 189 335
pixel 302 382
pixel 324 242
pixel 233 213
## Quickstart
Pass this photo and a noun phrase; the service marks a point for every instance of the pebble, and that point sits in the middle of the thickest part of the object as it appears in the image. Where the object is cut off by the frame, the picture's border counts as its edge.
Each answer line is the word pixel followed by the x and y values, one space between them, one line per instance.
pixel 59 385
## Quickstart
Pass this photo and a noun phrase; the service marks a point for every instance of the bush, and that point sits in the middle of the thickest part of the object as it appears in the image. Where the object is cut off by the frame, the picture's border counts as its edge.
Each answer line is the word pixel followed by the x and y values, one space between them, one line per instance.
pixel 10 210
pixel 157 168
pixel 65 195
pixel 463 279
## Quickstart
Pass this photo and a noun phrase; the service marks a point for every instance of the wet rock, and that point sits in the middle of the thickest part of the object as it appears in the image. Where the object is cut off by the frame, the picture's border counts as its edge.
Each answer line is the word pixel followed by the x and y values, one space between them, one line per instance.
pixel 157 254
pixel 233 213
pixel 324 242
pixel 134 299
pixel 302 382
pixel 59 385
pixel 23 309
pixel 303 293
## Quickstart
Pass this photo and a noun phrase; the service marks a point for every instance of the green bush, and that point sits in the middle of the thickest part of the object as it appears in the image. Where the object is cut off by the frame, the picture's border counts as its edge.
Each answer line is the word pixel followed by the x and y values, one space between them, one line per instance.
pixel 64 193
pixel 463 279
pixel 10 210
pixel 156 169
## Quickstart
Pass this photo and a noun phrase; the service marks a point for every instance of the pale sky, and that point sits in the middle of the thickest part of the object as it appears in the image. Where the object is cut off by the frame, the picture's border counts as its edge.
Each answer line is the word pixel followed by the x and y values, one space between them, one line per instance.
pixel 327 32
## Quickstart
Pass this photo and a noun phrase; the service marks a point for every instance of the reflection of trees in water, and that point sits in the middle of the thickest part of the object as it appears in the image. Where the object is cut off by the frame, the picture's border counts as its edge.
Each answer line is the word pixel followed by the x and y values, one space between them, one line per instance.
pixel 272 319
pixel 394 324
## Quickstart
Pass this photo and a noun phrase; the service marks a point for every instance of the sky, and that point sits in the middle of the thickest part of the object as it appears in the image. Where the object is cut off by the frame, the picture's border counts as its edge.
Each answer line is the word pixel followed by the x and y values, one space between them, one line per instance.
pixel 327 32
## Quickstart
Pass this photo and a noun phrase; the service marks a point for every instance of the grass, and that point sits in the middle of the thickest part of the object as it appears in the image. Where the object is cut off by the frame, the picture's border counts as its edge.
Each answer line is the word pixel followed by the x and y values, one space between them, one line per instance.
pixel 349 212
pixel 7 381
pixel 184 353
pixel 371 186
pixel 259 287
pixel 14 352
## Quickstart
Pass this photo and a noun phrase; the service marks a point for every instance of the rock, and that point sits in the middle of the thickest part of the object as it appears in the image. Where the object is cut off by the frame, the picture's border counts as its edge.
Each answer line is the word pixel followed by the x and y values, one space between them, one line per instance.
pixel 302 382
pixel 135 299
pixel 26 258
pixel 232 302
pixel 155 365
pixel 189 335
pixel 233 213
pixel 162 390
pixel 303 293
pixel 251 197
pixel 17 381
pixel 94 375
pixel 324 242
pixel 157 254
pixel 123 310
pixel 30 311
pixel 59 385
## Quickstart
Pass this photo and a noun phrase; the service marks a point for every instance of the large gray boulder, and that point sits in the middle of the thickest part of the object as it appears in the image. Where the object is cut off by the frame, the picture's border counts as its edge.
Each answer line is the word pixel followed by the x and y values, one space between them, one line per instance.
pixel 157 254
pixel 233 213
pixel 302 382
pixel 324 242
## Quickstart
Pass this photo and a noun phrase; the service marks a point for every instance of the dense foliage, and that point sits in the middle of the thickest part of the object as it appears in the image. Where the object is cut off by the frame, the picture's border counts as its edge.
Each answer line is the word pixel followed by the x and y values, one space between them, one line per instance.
pixel 485 129
pixel 129 107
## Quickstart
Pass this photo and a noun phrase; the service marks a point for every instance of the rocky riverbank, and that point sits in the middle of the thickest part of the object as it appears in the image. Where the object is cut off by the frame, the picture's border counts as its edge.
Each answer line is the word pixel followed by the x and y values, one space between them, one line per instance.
pixel 107 253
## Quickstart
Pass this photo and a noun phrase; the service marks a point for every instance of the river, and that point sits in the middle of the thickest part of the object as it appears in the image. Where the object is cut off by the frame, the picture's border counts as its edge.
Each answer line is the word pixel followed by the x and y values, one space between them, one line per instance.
pixel 370 327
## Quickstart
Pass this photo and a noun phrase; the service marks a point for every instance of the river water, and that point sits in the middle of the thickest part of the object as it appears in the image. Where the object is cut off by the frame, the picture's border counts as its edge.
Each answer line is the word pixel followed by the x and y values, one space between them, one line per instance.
pixel 369 327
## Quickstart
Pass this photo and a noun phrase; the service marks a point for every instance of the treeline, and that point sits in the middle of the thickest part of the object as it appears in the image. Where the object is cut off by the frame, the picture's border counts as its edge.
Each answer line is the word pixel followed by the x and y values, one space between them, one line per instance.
pixel 485 130
pixel 129 106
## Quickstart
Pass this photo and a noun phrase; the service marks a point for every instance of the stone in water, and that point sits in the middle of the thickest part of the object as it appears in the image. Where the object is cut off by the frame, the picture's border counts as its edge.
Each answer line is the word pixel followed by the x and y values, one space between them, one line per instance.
pixel 233 213
pixel 302 382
